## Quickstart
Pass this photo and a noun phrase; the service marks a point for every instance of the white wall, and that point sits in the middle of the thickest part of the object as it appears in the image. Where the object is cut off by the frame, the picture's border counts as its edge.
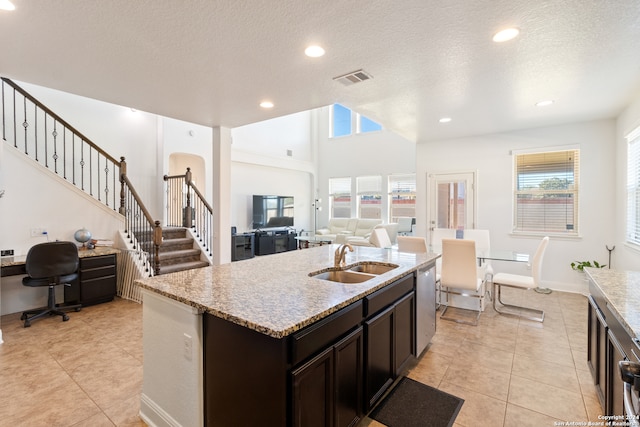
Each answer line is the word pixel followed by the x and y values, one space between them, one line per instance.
pixel 373 153
pixel 260 165
pixel 626 257
pixel 491 156
pixel 116 129
pixel 250 179
pixel 274 137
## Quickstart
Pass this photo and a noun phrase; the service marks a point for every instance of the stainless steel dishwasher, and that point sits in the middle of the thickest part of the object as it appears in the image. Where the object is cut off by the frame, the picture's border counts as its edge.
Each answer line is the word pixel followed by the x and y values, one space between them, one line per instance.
pixel 425 307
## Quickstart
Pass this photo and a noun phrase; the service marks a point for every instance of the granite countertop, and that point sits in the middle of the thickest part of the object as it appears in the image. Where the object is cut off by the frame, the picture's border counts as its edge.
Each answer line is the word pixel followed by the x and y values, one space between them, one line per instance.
pixel 274 294
pixel 622 291
pixel 82 253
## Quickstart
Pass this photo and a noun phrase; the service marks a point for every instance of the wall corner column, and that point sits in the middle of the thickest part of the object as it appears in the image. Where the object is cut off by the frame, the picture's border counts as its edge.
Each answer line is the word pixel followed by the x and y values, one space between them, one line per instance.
pixel 221 187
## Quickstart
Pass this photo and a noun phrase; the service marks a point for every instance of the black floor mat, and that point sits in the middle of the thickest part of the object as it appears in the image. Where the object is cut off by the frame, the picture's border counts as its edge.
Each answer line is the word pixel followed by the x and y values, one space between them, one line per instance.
pixel 413 404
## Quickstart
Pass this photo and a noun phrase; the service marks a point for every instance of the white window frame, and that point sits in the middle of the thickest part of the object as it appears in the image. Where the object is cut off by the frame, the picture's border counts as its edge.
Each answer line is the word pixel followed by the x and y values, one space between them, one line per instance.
pixel 632 230
pixel 370 185
pixel 344 192
pixel 573 190
pixel 410 180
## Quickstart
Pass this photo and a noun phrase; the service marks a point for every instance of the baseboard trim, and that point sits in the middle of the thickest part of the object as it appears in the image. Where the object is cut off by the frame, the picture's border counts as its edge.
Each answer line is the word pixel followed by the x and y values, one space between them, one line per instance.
pixel 154 415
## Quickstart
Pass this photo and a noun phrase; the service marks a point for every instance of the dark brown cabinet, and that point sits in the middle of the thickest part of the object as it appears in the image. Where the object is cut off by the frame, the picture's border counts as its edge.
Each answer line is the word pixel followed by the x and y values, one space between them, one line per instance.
pixel 596 349
pixel 389 337
pixel 96 281
pixel 608 343
pixel 328 374
pixel 327 390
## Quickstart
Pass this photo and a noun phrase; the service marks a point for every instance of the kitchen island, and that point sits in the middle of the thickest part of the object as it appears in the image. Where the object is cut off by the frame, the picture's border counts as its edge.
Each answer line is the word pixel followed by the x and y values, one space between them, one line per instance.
pixel 260 342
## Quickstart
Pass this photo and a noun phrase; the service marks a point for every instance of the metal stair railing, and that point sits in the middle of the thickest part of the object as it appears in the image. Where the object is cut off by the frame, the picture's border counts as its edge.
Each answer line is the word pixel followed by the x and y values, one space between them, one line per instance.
pixel 187 207
pixel 52 142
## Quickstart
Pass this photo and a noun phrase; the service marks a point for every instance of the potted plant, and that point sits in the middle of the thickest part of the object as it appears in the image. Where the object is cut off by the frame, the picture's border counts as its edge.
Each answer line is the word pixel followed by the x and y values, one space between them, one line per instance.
pixel 580 265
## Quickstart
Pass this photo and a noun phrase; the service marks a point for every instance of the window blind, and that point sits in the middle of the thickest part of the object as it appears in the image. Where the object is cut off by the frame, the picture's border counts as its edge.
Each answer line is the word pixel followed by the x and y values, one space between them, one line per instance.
pixel 340 186
pixel 546 192
pixel 403 185
pixel 369 185
pixel 633 187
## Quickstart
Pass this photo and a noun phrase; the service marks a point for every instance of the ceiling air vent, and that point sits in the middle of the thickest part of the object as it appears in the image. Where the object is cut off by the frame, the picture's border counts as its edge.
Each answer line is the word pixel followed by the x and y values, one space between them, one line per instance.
pixel 353 77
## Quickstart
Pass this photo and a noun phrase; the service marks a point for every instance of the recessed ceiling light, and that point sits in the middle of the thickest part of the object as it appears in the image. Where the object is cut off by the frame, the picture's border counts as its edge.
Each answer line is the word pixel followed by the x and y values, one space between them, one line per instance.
pixel 445 120
pixel 266 104
pixel 544 103
pixel 314 51
pixel 6 5
pixel 506 35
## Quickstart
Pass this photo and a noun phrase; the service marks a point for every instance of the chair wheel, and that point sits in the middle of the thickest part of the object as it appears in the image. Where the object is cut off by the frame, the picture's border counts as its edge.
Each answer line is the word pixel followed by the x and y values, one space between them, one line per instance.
pixel 27 324
pixel 78 309
pixel 23 317
pixel 65 318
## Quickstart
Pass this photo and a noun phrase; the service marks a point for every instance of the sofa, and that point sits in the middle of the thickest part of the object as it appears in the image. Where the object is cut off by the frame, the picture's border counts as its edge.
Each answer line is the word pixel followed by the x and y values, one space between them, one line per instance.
pixel 339 229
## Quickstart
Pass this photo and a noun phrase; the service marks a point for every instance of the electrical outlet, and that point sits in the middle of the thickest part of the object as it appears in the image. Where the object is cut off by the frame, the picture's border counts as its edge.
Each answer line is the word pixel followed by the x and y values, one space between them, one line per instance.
pixel 6 252
pixel 38 231
pixel 188 347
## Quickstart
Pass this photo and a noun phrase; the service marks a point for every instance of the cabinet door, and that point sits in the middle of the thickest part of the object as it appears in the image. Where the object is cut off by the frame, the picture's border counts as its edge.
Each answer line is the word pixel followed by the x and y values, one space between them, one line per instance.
pixel 312 389
pixel 348 379
pixel 379 363
pixel 404 332
pixel 615 386
pixel 597 349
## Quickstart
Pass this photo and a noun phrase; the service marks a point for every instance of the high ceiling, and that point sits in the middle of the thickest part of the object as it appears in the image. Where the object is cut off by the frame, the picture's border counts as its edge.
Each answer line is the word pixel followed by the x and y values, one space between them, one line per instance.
pixel 212 61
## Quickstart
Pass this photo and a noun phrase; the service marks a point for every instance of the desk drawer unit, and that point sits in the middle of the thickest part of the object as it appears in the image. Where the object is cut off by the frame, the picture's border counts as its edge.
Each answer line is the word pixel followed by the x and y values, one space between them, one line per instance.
pixel 96 282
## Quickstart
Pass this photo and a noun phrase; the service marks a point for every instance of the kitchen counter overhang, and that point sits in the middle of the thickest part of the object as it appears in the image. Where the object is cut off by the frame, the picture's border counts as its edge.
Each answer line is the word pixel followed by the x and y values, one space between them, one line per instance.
pixel 275 295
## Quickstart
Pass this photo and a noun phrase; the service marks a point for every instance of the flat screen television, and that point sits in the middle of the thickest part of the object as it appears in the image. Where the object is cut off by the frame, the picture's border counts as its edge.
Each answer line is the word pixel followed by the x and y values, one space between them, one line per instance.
pixel 272 211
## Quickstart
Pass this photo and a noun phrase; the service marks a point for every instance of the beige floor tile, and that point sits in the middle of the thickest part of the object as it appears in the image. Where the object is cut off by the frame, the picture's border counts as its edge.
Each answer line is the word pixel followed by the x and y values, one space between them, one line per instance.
pixel 478 379
pixel 545 399
pixel 546 372
pixel 480 355
pixel 96 358
pixel 478 410
pixel 522 417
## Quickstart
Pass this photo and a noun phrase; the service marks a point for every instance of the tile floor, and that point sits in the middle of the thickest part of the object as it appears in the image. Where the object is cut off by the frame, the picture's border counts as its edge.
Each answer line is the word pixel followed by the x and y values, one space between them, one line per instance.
pixel 511 372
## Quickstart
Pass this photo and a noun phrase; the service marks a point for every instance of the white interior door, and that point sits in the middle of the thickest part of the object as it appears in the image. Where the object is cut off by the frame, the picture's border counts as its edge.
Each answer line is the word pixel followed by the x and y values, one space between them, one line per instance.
pixel 451 200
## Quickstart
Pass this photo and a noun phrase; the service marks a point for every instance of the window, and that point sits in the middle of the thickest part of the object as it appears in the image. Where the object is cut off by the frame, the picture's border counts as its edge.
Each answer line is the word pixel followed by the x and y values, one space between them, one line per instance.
pixel 367 125
pixel 343 121
pixel 402 196
pixel 633 187
pixel 369 196
pixel 546 192
pixel 340 197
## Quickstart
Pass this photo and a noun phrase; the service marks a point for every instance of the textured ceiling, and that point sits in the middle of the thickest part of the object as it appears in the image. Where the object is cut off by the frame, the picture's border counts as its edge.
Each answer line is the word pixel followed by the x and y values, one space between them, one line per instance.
pixel 212 62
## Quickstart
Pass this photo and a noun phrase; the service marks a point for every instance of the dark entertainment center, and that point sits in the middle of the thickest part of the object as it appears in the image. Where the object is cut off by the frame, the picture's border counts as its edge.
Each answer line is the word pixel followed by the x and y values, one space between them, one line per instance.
pixel 262 242
pixel 273 223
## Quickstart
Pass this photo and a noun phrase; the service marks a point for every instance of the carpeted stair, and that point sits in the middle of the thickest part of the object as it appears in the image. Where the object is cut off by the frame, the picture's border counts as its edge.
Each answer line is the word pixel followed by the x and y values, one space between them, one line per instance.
pixel 178 251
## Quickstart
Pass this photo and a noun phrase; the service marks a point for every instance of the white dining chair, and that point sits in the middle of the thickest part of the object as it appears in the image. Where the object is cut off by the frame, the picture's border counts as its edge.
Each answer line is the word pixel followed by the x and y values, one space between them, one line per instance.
pixel 483 245
pixel 460 275
pixel 521 282
pixel 413 244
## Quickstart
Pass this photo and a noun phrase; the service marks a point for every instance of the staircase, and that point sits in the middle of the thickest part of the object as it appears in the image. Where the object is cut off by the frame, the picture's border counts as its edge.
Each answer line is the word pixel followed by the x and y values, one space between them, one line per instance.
pixel 178 251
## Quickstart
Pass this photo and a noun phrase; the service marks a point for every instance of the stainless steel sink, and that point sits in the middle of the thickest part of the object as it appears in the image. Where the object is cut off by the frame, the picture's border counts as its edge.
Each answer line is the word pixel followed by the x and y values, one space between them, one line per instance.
pixel 358 273
pixel 343 276
pixel 373 268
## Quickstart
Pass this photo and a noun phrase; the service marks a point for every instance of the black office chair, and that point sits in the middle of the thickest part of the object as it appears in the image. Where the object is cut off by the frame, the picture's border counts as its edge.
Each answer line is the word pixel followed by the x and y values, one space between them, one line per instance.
pixel 51 264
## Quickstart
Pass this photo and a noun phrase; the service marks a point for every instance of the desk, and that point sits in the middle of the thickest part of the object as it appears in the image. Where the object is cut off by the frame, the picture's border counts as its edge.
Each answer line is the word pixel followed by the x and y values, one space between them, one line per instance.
pixel 15 265
pixel 96 275
pixel 312 240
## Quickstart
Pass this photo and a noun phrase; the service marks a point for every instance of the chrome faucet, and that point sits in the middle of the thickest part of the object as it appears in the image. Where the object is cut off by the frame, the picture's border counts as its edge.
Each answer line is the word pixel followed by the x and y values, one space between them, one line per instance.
pixel 339 258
